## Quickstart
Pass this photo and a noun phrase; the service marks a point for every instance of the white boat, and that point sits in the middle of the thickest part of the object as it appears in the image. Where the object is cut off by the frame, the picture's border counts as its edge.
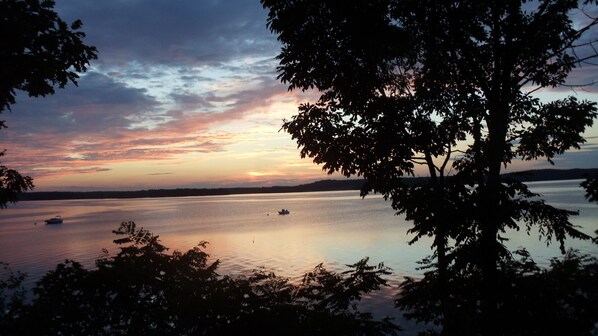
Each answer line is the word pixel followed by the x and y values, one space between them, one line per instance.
pixel 55 220
pixel 284 212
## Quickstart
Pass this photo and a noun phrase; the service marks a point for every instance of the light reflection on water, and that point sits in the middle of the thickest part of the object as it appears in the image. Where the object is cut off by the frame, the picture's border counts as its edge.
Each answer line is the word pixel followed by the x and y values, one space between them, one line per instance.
pixel 245 231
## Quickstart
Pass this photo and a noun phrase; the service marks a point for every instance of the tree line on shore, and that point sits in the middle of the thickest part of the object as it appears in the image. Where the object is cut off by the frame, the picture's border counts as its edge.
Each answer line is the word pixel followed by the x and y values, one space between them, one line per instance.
pixel 323 185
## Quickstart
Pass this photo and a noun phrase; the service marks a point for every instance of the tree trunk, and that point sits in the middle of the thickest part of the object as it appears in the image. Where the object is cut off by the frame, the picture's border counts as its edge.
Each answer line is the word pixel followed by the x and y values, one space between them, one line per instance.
pixel 491 219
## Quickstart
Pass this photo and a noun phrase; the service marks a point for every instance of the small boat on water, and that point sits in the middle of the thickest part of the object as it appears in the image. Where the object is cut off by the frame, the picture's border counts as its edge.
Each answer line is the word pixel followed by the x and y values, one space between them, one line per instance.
pixel 55 220
pixel 284 212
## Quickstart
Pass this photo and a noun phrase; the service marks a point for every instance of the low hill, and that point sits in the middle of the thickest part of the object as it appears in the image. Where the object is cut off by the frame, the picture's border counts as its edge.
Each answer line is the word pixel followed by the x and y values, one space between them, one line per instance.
pixel 552 174
pixel 324 185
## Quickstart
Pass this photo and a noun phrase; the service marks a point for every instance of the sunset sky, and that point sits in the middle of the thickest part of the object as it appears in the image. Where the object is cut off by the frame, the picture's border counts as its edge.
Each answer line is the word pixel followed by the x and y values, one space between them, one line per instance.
pixel 183 94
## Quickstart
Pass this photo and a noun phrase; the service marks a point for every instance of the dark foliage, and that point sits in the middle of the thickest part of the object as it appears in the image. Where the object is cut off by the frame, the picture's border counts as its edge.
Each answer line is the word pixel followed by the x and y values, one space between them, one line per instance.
pixel 12 298
pixel 560 300
pixel 38 51
pixel 591 187
pixel 442 84
pixel 145 291
pixel 12 184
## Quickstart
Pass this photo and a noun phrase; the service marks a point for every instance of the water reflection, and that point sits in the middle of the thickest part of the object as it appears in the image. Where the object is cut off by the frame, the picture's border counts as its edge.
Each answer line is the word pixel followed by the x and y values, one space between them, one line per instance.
pixel 245 231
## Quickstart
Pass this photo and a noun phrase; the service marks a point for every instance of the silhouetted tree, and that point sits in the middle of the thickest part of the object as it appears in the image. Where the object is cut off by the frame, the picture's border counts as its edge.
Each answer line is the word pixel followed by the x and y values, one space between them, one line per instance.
pixel 38 52
pixel 143 290
pixel 448 85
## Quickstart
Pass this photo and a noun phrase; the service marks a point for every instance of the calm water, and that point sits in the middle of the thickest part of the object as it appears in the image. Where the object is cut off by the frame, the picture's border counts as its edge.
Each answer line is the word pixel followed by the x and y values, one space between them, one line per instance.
pixel 245 231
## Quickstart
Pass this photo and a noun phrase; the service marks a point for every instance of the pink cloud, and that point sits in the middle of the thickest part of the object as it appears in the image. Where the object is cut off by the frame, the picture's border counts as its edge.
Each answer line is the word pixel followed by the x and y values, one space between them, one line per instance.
pixel 83 138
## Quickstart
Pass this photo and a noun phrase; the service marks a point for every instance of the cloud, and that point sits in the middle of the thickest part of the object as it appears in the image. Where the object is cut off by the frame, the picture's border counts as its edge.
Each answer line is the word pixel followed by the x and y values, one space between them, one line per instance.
pixel 159 174
pixel 59 172
pixel 163 32
pixel 104 121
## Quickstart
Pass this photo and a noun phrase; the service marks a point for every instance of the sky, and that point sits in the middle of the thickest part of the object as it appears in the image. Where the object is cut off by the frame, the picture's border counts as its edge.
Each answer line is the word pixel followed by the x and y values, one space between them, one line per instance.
pixel 183 95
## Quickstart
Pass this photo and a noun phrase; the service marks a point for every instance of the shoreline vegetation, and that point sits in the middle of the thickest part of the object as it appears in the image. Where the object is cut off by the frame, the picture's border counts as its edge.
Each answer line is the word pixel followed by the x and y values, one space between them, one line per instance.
pixel 323 185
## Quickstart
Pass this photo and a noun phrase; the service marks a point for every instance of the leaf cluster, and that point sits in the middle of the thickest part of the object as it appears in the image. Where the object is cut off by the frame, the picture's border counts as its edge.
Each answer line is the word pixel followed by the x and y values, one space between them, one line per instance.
pixel 39 50
pixel 12 183
pixel 591 187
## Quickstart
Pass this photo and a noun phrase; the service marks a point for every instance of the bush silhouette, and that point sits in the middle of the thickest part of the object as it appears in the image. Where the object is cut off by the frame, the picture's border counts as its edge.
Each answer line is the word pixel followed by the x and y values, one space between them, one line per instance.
pixel 144 290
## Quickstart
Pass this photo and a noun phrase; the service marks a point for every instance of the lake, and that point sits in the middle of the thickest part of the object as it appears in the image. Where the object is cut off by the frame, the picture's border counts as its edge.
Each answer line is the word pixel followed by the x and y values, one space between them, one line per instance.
pixel 245 231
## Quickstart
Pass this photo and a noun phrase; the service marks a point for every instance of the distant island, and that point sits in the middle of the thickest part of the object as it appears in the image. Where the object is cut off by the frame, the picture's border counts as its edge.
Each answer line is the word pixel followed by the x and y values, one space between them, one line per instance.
pixel 324 185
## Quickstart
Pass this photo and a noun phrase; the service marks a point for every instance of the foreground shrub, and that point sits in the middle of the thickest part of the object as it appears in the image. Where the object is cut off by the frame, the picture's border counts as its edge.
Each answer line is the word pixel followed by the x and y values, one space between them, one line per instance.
pixel 143 290
pixel 559 300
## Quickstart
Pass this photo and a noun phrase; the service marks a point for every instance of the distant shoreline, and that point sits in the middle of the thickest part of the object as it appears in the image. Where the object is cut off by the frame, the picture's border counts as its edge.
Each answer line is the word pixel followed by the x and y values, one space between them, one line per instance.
pixel 323 185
